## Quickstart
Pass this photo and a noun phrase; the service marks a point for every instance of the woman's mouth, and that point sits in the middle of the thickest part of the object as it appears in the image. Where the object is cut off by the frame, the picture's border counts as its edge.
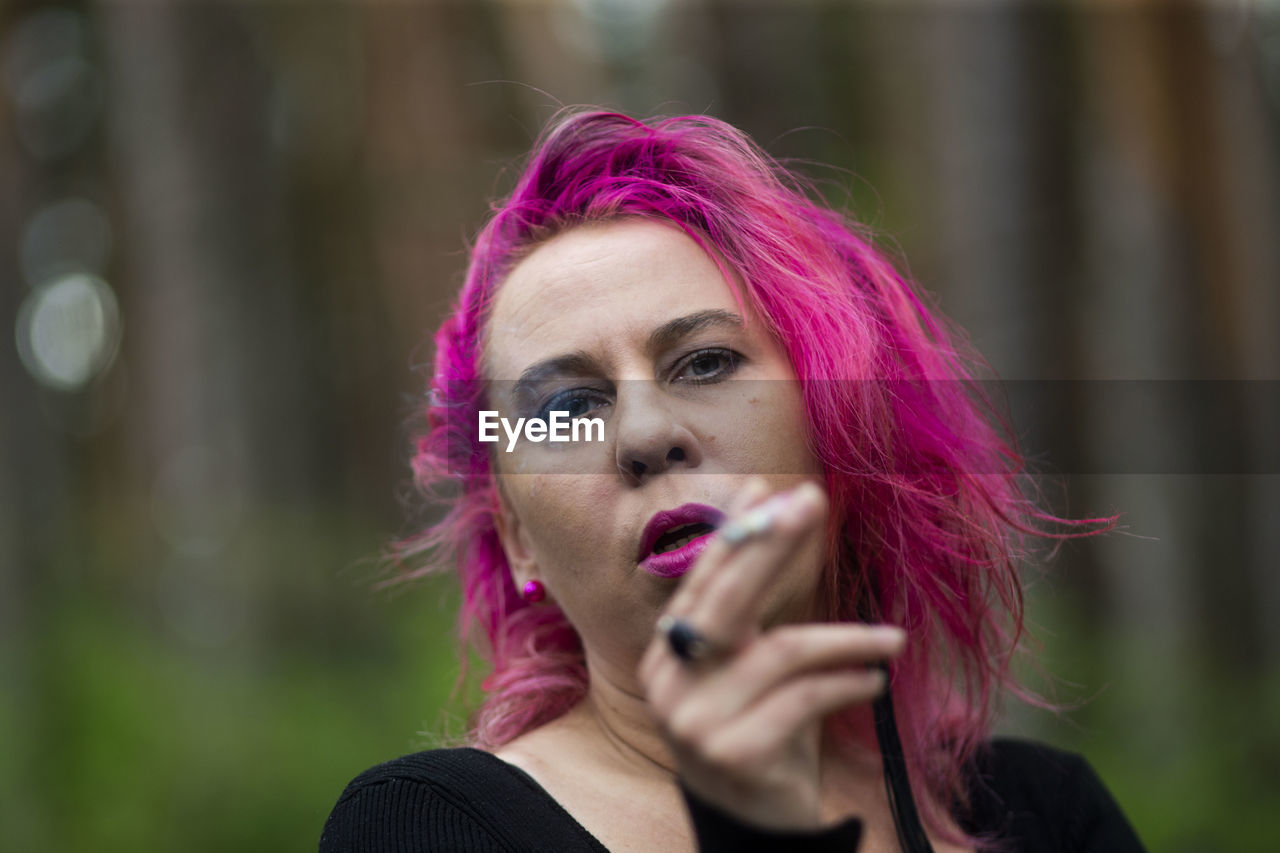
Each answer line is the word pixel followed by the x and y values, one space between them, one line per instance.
pixel 674 539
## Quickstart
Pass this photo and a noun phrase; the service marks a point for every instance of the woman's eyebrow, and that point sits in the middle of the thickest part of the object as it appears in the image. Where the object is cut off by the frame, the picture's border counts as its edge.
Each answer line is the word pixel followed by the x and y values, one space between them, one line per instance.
pixel 577 363
pixel 580 363
pixel 673 331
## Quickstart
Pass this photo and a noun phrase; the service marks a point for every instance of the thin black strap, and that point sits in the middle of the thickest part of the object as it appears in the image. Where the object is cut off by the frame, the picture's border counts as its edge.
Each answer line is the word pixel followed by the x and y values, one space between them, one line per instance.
pixel 911 834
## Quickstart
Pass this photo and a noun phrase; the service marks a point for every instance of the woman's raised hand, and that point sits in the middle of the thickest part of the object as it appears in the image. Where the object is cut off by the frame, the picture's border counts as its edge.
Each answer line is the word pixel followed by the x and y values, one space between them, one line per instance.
pixel 742 707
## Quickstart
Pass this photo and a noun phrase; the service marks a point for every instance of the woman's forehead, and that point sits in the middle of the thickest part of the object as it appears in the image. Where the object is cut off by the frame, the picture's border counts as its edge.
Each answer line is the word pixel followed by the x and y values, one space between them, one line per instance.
pixel 596 283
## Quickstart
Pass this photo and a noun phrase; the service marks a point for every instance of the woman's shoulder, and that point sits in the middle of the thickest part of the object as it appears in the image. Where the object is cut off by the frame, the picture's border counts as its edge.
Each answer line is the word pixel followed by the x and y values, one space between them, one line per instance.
pixel 1044 798
pixel 451 799
pixel 412 802
pixel 435 767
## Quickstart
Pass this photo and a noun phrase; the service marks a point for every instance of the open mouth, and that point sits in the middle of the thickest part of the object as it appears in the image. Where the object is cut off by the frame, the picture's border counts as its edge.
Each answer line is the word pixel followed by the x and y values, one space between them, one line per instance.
pixel 673 538
pixel 678 537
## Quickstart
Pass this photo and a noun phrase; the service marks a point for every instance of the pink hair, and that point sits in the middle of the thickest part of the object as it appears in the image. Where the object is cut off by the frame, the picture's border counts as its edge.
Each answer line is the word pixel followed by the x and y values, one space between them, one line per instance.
pixel 929 519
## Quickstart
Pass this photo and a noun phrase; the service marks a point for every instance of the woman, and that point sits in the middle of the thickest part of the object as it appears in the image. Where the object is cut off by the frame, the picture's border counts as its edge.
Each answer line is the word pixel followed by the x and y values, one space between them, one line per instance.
pixel 795 507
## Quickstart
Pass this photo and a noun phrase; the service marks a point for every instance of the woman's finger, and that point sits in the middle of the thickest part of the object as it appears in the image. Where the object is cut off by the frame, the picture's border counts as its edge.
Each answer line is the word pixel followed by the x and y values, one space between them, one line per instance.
pixel 691 701
pixel 730 624
pixel 755 492
pixel 759 735
pixel 764 516
pixel 726 605
pixel 785 653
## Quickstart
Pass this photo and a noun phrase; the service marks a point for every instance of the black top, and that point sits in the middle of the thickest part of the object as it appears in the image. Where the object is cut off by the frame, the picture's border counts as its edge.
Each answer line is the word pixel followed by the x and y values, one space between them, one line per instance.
pixel 1032 797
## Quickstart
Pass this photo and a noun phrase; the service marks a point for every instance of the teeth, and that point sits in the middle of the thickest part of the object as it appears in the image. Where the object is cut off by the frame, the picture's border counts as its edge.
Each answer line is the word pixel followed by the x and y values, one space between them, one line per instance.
pixel 681 542
pixel 691 532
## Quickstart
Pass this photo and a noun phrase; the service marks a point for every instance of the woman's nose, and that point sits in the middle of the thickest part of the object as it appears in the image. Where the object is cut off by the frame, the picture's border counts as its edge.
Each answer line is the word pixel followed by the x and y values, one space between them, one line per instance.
pixel 651 437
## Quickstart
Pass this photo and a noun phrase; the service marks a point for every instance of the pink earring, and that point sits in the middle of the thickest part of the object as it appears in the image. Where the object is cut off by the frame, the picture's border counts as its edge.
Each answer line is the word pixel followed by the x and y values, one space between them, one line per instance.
pixel 533 591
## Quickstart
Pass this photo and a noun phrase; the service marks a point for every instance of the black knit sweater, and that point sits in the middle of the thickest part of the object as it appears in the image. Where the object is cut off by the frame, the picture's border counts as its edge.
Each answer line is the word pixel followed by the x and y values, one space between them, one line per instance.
pixel 1032 797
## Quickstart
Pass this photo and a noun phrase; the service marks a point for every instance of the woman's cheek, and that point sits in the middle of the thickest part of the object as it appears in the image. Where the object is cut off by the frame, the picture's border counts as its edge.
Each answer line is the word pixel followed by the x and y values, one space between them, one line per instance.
pixel 572 520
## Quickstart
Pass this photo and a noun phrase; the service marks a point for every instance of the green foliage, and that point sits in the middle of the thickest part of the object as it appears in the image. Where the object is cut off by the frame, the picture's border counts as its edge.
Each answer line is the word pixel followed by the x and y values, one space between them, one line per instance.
pixel 129 737
pixel 1190 750
pixel 123 733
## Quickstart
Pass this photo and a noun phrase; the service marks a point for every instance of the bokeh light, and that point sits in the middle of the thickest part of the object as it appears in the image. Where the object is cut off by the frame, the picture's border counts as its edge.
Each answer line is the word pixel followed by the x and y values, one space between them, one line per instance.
pixel 71 235
pixel 68 331
pixel 57 92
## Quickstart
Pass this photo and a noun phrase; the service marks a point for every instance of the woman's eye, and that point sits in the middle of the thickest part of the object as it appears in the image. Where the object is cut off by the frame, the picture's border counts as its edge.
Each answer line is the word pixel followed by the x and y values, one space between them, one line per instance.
pixel 707 365
pixel 578 402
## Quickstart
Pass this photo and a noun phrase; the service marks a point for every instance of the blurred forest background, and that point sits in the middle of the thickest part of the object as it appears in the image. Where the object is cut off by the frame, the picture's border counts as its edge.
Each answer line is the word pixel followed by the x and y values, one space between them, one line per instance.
pixel 226 229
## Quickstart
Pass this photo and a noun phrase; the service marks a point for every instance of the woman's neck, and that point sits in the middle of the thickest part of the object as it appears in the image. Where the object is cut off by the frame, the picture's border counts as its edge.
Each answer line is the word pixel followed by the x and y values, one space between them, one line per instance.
pixel 615 712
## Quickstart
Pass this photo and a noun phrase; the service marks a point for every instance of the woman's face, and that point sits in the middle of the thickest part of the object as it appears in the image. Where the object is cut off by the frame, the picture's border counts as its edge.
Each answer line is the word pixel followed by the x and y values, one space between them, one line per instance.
pixel 631 322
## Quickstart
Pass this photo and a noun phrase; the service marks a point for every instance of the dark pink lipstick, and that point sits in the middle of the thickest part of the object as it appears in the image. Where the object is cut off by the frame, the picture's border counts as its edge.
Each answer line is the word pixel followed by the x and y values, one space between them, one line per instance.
pixel 674 538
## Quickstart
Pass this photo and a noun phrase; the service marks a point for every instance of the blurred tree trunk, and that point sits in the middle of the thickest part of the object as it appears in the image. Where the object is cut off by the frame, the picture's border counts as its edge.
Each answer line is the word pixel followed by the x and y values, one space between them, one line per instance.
pixel 1133 317
pixel 1180 285
pixel 998 154
pixel 1229 180
pixel 218 421
pixel 26 470
pixel 183 289
pixel 19 418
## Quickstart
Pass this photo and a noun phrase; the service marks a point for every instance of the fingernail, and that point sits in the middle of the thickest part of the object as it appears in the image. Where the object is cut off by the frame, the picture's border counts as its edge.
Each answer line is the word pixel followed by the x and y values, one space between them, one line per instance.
pixel 801 500
pixel 891 634
pixel 753 490
pixel 755 522
pixel 806 492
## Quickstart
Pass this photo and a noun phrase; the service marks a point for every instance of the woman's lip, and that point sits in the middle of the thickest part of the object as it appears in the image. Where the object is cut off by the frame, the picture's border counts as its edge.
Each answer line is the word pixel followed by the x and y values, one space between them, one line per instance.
pixel 672 518
pixel 673 564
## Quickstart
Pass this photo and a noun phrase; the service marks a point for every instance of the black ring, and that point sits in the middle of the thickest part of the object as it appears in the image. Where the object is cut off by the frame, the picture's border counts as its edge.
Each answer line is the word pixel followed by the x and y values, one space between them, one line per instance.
pixel 686 641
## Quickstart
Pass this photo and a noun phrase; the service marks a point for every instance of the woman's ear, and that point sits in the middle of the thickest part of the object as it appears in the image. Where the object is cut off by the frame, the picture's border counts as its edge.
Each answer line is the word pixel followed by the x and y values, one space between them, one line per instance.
pixel 515 543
